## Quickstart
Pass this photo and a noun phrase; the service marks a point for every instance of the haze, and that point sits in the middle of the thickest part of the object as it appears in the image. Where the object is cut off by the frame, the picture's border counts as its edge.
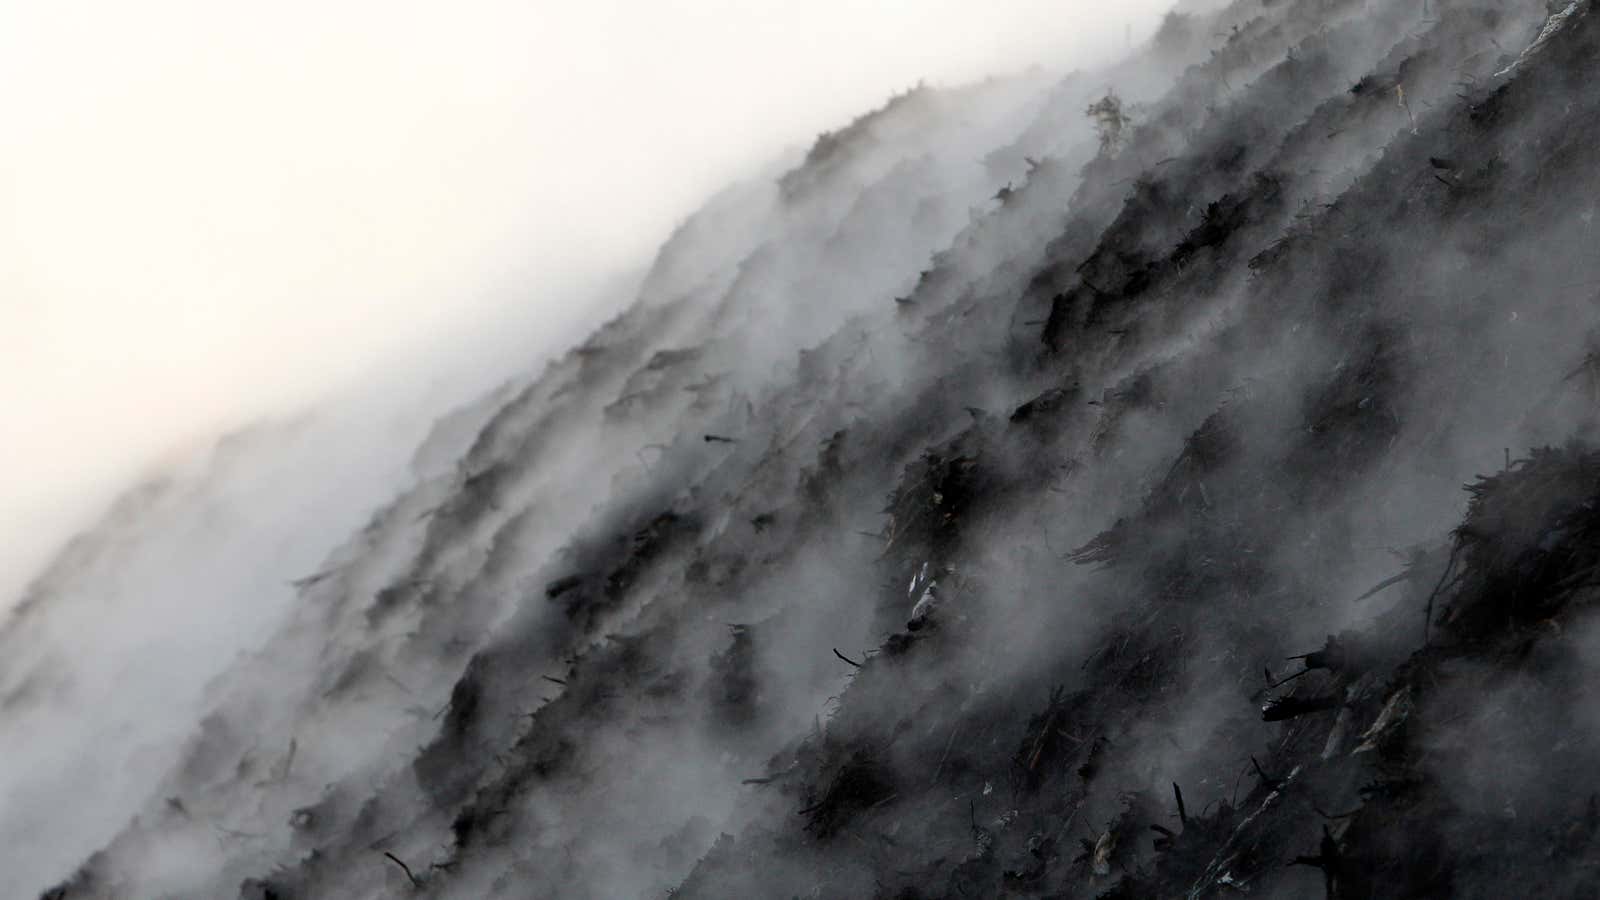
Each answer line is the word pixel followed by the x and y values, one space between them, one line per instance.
pixel 210 213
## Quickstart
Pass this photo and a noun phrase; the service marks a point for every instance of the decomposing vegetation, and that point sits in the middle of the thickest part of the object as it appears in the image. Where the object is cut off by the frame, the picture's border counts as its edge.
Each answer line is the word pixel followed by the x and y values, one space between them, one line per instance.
pixel 1140 636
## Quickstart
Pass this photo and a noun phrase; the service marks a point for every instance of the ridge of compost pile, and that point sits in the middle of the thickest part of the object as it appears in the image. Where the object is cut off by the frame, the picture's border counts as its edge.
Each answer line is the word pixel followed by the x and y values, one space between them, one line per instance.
pixel 1010 502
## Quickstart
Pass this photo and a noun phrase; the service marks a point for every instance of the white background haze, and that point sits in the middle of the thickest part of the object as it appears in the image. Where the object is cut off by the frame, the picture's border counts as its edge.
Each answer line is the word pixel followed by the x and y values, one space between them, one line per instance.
pixel 215 214
pixel 212 212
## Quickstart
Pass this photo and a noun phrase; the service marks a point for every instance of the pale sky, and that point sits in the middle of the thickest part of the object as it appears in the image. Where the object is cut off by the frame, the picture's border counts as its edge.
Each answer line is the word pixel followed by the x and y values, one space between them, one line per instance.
pixel 211 211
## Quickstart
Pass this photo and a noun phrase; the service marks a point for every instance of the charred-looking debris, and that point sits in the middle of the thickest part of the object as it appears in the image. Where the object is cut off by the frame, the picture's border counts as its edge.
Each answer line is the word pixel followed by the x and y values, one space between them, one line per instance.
pixel 562 585
pixel 1233 341
pixel 925 510
pixel 1530 543
pixel 1109 122
pixel 1329 861
pixel 924 594
pixel 858 783
pixel 734 688
pixel 1046 404
pixel 1279 708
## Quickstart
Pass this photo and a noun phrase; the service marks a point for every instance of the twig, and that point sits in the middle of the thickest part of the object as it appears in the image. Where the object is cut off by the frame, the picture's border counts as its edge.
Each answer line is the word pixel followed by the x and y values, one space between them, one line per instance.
pixel 1387 582
pixel 404 868
pixel 1278 684
pixel 846 658
pixel 1271 783
pixel 1327 815
pixel 1427 619
pixel 1272 685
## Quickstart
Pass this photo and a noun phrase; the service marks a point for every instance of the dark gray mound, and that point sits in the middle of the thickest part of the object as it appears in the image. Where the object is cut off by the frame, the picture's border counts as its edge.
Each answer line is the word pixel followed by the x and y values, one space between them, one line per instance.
pixel 996 507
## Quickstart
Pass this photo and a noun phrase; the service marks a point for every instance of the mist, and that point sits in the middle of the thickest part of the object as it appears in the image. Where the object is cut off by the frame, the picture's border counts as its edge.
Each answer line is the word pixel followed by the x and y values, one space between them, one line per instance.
pixel 252 260
pixel 924 502
pixel 212 216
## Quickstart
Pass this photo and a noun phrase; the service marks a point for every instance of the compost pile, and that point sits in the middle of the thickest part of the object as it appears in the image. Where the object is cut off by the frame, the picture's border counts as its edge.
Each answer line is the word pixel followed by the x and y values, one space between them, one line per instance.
pixel 1185 490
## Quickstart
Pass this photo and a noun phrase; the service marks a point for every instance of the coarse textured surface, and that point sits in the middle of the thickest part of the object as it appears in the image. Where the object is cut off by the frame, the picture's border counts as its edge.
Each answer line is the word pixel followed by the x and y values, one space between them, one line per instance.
pixel 1028 495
